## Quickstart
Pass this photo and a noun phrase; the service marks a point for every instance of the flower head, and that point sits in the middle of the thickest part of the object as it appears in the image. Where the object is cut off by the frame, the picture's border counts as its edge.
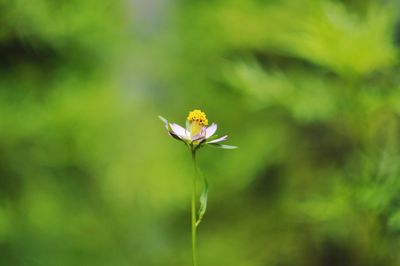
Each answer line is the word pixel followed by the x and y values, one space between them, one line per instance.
pixel 197 132
pixel 197 121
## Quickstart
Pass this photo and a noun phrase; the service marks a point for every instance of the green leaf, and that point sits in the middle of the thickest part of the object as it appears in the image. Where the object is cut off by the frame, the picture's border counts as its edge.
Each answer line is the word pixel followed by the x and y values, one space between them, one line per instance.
pixel 203 199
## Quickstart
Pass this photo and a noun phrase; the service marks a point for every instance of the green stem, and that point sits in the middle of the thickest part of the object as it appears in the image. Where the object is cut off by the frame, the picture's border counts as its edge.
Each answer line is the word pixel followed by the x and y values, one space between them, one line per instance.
pixel 194 209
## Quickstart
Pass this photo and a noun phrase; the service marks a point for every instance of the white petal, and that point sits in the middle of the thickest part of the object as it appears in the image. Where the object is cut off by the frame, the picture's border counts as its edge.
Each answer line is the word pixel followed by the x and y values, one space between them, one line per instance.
pixel 164 120
pixel 211 130
pixel 197 137
pixel 201 135
pixel 228 147
pixel 187 129
pixel 187 126
pixel 178 130
pixel 172 134
pixel 218 139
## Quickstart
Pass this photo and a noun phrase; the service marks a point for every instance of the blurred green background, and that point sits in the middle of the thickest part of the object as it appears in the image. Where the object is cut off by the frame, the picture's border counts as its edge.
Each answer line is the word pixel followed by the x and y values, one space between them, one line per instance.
pixel 309 90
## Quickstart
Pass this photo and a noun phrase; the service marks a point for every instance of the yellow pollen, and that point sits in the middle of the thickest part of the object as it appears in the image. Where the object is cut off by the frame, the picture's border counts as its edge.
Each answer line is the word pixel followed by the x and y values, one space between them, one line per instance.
pixel 198 116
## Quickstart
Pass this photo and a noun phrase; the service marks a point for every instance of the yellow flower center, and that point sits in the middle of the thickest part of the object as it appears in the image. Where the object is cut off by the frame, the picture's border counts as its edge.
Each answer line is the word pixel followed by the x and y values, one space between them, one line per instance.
pixel 198 116
pixel 197 120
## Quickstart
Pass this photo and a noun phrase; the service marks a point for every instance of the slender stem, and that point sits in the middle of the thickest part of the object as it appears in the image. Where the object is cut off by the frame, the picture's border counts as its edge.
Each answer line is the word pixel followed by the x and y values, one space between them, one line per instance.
pixel 194 209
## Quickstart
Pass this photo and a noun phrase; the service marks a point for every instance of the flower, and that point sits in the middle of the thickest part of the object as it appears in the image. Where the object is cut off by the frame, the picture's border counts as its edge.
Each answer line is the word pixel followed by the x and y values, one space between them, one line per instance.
pixel 197 132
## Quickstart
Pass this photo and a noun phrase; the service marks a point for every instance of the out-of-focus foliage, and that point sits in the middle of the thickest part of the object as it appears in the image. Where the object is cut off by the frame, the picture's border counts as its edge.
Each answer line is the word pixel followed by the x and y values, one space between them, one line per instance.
pixel 309 90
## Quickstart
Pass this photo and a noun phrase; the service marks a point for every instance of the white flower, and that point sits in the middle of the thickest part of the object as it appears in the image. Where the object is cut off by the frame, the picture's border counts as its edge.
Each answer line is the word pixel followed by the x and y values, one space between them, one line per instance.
pixel 197 132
